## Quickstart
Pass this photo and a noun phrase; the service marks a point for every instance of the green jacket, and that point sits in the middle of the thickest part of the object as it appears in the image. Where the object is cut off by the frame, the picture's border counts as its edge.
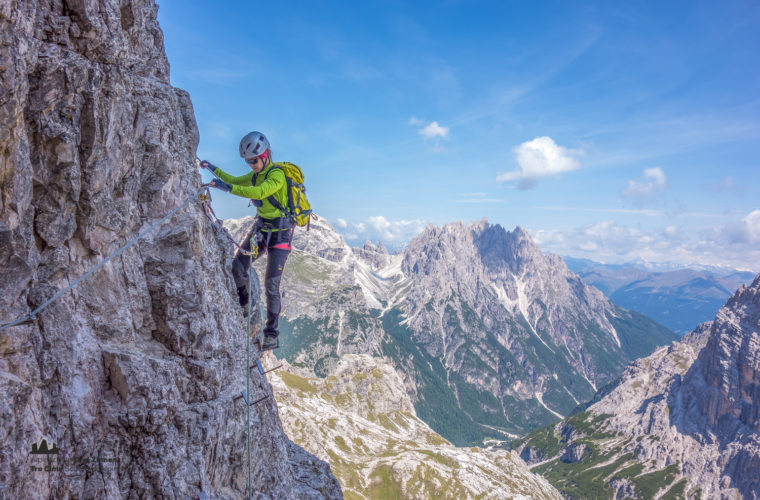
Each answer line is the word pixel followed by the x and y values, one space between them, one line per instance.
pixel 266 185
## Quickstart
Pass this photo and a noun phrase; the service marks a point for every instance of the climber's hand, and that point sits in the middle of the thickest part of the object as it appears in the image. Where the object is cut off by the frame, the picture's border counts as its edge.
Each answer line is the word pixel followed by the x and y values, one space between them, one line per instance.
pixel 207 165
pixel 220 184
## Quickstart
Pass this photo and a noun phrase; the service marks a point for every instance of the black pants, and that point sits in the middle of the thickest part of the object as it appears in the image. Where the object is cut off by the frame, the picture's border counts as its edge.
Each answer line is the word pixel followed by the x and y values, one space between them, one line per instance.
pixel 277 245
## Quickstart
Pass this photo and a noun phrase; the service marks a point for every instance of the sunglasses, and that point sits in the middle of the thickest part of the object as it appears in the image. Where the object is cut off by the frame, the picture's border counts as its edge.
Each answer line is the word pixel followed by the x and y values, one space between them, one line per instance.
pixel 262 157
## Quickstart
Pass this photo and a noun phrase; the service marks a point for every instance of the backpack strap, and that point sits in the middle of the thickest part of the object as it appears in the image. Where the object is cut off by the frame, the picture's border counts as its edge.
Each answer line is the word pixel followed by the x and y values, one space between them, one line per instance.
pixel 290 214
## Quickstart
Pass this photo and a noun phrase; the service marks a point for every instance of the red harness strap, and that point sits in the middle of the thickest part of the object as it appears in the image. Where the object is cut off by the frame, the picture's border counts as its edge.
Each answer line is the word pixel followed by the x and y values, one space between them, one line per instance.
pixel 283 246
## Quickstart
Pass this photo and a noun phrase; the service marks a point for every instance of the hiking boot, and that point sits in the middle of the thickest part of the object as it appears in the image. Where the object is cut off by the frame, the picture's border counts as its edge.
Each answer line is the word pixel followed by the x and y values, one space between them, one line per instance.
pixel 270 343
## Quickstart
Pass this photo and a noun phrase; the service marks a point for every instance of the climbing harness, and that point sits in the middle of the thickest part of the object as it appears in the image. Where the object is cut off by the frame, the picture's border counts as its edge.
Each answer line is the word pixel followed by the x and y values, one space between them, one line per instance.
pixel 32 316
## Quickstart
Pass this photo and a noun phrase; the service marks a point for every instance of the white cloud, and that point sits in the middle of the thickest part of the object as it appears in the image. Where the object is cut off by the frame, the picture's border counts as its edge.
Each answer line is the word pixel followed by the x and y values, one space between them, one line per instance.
pixel 752 223
pixel 540 158
pixel 433 130
pixel 340 223
pixel 736 244
pixel 429 130
pixel 746 231
pixel 394 234
pixel 652 181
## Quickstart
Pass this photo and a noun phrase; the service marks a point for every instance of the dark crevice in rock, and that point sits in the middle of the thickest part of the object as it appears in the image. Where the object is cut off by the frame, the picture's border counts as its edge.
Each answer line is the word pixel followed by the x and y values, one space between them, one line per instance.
pixel 127 18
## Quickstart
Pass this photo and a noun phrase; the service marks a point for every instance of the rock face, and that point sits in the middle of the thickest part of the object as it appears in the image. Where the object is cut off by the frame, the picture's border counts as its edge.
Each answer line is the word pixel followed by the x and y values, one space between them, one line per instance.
pixel 514 322
pixel 132 375
pixel 723 387
pixel 376 255
pixel 491 337
pixel 361 420
pixel 684 419
pixel 574 453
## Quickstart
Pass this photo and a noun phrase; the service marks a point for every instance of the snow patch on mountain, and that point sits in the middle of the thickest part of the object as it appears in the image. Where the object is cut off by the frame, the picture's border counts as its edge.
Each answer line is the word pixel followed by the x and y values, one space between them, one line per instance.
pixel 372 287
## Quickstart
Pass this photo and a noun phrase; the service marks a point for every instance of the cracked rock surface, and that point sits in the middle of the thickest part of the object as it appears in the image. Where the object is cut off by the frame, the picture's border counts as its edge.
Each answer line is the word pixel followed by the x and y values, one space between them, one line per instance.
pixel 685 418
pixel 133 374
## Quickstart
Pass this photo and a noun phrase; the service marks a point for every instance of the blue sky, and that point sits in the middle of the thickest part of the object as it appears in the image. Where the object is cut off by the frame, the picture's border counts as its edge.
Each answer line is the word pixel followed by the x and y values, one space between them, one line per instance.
pixel 609 130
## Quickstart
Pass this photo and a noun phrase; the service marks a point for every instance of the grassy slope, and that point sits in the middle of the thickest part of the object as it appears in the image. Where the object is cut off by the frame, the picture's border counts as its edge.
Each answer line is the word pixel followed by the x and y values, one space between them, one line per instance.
pixel 607 459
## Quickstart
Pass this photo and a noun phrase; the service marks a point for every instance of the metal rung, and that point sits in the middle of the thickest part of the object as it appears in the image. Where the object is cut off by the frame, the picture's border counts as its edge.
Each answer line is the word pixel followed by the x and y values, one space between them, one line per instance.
pixel 244 395
pixel 261 367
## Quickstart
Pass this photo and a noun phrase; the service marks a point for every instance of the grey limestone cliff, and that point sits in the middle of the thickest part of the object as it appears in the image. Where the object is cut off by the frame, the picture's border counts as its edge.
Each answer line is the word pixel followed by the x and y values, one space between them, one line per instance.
pixel 682 422
pixel 133 374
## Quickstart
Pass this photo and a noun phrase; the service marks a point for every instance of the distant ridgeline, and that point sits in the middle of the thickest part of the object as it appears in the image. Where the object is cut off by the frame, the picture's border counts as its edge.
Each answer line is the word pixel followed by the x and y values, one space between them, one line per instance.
pixel 491 337
pixel 679 299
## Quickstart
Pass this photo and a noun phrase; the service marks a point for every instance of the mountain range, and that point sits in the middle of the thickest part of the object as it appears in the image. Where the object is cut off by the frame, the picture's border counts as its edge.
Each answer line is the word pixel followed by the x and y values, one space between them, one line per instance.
pixel 491 337
pixel 677 298
pixel 469 336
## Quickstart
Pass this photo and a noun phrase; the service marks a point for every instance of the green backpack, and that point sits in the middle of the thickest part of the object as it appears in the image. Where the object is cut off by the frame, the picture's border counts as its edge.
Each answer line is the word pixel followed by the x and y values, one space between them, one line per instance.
pixel 299 208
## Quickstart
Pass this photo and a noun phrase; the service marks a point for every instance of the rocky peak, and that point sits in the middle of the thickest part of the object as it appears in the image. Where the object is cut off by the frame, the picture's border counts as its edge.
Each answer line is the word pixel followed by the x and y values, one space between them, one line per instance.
pixel 321 240
pixel 477 256
pixel 375 255
pixel 496 247
pixel 726 376
pixel 501 249
pixel 684 418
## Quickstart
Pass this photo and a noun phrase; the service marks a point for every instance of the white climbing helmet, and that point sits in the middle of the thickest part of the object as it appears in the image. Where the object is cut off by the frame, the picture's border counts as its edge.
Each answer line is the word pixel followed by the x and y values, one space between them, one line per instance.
pixel 253 144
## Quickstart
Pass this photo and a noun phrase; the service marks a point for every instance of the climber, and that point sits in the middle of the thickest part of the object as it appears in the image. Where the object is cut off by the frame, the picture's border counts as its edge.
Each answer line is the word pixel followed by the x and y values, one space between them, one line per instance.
pixel 272 232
